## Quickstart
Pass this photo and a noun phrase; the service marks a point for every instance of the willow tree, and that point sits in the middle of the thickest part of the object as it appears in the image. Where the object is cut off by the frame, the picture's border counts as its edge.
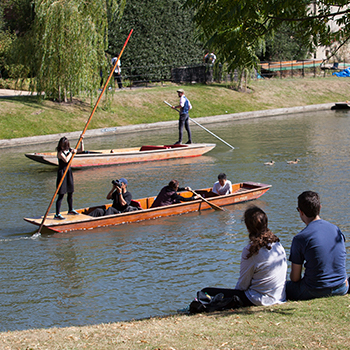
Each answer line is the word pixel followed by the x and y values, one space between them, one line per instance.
pixel 70 39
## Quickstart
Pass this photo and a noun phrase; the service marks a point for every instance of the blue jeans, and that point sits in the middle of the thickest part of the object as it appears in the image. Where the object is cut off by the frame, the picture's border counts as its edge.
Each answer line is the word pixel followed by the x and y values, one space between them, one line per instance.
pixel 299 291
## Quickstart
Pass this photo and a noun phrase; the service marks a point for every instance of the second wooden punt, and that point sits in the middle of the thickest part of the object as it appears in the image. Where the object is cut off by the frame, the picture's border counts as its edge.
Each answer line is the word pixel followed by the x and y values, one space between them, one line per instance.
pixel 120 156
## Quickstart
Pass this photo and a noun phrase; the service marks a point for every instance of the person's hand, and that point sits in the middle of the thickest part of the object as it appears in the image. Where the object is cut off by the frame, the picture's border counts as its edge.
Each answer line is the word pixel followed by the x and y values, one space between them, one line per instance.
pixel 173 107
pixel 188 188
pixel 118 189
pixel 74 151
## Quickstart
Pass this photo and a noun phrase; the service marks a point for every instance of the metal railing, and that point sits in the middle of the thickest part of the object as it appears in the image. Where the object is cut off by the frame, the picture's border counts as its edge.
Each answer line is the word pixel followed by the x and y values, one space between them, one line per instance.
pixel 205 73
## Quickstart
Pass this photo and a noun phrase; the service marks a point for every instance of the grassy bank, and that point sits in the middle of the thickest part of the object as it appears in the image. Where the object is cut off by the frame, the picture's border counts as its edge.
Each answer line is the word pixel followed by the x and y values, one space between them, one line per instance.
pixel 315 324
pixel 23 116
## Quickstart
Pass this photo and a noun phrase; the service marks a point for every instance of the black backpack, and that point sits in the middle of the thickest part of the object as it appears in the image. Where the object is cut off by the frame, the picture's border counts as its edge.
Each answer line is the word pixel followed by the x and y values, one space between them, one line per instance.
pixel 206 303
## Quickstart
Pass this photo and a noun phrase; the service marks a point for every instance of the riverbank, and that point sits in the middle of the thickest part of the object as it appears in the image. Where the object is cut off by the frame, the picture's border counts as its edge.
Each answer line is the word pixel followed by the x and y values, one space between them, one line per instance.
pixel 161 125
pixel 141 109
pixel 315 324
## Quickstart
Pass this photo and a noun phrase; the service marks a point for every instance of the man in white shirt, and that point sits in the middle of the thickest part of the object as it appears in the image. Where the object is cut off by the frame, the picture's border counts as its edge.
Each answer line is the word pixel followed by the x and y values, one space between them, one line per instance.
pixel 223 186
pixel 185 106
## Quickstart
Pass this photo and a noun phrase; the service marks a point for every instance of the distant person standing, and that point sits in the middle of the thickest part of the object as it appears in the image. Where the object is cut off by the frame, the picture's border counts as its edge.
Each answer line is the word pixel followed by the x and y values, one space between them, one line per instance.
pixel 212 58
pixel 209 58
pixel 117 71
pixel 185 106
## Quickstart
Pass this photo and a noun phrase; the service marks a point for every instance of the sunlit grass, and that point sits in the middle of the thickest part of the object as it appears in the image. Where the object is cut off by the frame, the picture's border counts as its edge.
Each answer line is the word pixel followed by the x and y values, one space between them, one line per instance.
pixel 23 116
pixel 315 324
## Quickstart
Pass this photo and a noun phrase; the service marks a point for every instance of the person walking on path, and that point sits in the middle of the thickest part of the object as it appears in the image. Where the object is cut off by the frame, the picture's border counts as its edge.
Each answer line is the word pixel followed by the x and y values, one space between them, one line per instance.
pixel 320 247
pixel 184 120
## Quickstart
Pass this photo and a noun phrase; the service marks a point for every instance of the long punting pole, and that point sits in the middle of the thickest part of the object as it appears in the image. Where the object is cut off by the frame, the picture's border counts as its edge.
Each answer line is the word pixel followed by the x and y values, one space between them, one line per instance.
pixel 83 132
pixel 203 127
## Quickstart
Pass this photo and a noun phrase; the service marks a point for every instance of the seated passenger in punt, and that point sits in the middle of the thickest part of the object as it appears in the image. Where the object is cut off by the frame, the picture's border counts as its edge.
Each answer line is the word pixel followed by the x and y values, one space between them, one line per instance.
pixel 263 270
pixel 121 200
pixel 222 186
pixel 168 195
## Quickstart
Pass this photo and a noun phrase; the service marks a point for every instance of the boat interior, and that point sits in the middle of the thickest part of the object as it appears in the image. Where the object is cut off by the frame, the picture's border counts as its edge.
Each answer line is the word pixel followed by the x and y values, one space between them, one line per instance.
pixel 146 203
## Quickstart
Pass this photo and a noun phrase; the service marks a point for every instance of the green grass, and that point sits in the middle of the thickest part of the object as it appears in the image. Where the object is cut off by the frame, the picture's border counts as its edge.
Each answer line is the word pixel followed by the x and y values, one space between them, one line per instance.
pixel 315 324
pixel 28 116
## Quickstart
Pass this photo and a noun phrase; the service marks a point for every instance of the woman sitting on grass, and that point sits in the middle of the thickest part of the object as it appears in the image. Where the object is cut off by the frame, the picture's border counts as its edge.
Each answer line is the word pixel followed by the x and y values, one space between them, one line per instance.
pixel 262 271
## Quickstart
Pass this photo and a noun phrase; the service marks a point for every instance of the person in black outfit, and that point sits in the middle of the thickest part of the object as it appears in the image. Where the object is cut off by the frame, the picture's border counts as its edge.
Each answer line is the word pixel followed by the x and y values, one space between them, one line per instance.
pixel 64 154
pixel 121 200
pixel 168 195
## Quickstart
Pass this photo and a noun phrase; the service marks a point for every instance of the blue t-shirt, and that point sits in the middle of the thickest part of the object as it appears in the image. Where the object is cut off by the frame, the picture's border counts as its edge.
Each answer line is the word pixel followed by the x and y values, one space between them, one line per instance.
pixel 321 245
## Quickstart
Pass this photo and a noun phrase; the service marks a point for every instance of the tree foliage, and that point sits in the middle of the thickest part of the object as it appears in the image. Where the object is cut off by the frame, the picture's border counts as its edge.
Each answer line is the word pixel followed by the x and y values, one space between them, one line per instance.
pixel 164 34
pixel 283 45
pixel 63 47
pixel 71 39
pixel 236 28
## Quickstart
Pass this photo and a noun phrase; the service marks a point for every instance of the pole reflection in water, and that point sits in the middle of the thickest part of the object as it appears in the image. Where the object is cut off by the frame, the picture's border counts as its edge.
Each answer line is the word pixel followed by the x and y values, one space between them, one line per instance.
pixel 155 267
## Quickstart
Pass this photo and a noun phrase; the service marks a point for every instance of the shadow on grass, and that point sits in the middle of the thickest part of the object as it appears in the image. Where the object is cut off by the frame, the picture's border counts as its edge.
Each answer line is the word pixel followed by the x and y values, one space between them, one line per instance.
pixel 27 99
pixel 37 101
pixel 255 310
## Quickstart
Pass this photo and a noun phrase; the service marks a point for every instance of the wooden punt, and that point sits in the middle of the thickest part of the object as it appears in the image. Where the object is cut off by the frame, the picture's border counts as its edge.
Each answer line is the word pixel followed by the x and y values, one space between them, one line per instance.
pixel 126 155
pixel 241 192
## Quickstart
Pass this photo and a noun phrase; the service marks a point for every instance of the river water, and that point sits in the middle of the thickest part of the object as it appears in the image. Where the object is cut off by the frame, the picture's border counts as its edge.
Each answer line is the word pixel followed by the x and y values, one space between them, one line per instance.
pixel 152 268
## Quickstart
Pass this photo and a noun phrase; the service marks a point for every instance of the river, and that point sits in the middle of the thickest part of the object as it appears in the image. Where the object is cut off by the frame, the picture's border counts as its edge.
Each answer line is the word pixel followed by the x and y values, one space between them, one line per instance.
pixel 152 268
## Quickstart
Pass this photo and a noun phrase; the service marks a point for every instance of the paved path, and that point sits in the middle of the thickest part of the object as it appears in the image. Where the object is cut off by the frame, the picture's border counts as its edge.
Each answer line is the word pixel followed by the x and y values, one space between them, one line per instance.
pixel 9 93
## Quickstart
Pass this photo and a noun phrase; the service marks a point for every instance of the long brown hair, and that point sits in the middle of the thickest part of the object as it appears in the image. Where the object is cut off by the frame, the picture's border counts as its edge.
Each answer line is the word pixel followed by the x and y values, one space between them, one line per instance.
pixel 260 236
pixel 63 144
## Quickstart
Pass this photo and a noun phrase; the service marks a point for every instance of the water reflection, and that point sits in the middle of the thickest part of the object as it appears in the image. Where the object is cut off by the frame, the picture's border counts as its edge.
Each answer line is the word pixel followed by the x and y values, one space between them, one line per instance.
pixel 154 267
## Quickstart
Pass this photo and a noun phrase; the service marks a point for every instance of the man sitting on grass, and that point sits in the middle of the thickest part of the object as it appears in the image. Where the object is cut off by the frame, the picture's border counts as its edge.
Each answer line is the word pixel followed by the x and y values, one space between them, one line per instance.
pixel 320 247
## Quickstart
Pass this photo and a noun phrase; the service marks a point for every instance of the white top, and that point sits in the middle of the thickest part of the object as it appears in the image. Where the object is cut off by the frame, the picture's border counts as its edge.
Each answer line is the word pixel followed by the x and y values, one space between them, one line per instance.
pixel 263 275
pixel 183 100
pixel 212 57
pixel 117 68
pixel 221 190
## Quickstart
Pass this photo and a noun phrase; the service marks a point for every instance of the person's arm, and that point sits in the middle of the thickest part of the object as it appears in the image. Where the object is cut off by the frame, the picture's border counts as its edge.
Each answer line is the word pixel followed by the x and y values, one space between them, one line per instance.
pixel 81 146
pixel 295 272
pixel 122 200
pixel 215 188
pixel 229 184
pixel 127 197
pixel 246 272
pixel 110 193
pixel 176 198
pixel 66 158
pixel 181 104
